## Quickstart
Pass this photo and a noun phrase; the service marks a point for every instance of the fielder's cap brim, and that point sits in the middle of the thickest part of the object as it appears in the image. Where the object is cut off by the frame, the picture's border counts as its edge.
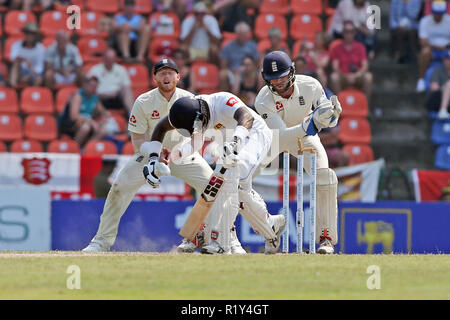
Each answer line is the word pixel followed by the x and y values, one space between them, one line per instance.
pixel 165 63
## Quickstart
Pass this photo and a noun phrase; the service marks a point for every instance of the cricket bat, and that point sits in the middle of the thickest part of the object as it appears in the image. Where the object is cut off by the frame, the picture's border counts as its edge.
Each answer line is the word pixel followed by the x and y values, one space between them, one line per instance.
pixel 203 205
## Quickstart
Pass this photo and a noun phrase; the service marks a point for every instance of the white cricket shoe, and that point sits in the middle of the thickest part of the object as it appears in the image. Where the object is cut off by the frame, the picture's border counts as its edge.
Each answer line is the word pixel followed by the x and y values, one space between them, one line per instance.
pixel 214 248
pixel 443 114
pixel 95 247
pixel 187 246
pixel 273 245
pixel 235 244
pixel 325 245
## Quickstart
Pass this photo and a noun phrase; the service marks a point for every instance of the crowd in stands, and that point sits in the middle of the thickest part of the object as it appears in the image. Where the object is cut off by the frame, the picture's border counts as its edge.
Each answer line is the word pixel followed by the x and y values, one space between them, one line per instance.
pixel 94 73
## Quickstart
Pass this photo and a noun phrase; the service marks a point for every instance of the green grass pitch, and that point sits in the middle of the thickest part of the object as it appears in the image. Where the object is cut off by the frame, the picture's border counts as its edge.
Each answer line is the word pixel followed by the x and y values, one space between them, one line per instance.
pixel 169 276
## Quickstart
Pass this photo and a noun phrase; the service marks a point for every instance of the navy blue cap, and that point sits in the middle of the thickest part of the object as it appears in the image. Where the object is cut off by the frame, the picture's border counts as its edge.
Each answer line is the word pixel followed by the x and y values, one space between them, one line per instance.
pixel 165 63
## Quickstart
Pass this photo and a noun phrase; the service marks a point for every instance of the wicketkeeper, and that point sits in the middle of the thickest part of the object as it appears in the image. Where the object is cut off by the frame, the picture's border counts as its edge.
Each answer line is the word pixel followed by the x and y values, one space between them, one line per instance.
pixel 296 105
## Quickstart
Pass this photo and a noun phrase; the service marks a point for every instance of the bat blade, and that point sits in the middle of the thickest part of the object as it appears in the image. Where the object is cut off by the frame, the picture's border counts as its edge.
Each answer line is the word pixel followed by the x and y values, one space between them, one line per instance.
pixel 203 205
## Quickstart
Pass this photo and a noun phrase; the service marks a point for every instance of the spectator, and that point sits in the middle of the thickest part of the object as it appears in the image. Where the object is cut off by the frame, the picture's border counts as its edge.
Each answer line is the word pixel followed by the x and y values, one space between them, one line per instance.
pixel 11 4
pixel 200 34
pixel 357 12
pixel 434 35
pixel 301 66
pixel 28 57
pixel 79 118
pixel 337 157
pixel 233 54
pixel 63 62
pixel 183 7
pixel 403 22
pixel 232 12
pixel 349 62
pixel 181 60
pixel 276 43
pixel 317 58
pixel 131 33
pixel 438 98
pixel 162 5
pixel 27 5
pixel 248 81
pixel 114 88
pixel 102 181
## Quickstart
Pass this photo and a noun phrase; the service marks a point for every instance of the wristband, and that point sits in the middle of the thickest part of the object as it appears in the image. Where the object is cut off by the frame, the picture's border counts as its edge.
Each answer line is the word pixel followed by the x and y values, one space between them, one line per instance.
pixel 148 148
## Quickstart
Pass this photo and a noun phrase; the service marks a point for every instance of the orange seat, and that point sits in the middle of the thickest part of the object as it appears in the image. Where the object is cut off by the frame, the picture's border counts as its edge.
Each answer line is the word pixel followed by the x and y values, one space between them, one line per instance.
pixel 137 91
pixel 62 97
pixel 63 7
pixel 8 100
pixel 162 47
pixel 274 6
pixel 104 6
pixel 7 46
pixel 143 7
pixel 4 70
pixel 91 25
pixel 3 147
pixel 206 76
pixel 128 148
pixel 36 100
pixel 359 153
pixel 138 74
pixel 306 6
pixel 354 130
pixel 52 22
pixel 100 147
pixel 26 145
pixel 227 37
pixel 305 26
pixel 41 127
pixel 48 41
pixel 354 103
pixel 297 45
pixel 268 20
pixel 121 122
pixel 10 127
pixel 63 146
pixel 333 44
pixel 15 20
pixel 165 24
pixel 92 49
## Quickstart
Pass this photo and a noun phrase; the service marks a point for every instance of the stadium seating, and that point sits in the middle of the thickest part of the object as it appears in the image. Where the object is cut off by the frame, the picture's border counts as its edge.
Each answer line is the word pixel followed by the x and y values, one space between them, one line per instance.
pixel 15 20
pixel 92 49
pixel 100 147
pixel 274 6
pixel 41 127
pixel 143 7
pixel 8 100
pixel 354 130
pixel 104 6
pixel 161 47
pixel 10 127
pixel 3 147
pixel 36 100
pixel 52 22
pixel 128 148
pixel 4 70
pixel 264 44
pixel 63 7
pixel 440 132
pixel 206 76
pixel 442 159
pixel 91 25
pixel 26 145
pixel 354 103
pixel 306 6
pixel 304 27
pixel 7 47
pixel 359 153
pixel 165 24
pixel 62 96
pixel 266 21
pixel 63 146
pixel 138 74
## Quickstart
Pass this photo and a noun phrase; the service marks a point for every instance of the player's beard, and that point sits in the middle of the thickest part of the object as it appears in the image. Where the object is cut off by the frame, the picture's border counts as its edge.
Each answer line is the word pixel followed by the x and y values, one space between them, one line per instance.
pixel 167 88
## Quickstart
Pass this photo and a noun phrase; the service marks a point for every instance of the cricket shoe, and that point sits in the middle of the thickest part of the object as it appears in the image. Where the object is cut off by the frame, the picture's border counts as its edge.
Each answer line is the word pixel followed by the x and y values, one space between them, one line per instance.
pixel 325 245
pixel 214 248
pixel 272 245
pixel 187 246
pixel 236 247
pixel 95 247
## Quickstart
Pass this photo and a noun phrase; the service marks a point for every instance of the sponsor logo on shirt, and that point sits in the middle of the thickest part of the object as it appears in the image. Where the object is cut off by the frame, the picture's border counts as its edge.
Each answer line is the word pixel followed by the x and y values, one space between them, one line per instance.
pixel 132 121
pixel 232 101
pixel 155 114
pixel 278 105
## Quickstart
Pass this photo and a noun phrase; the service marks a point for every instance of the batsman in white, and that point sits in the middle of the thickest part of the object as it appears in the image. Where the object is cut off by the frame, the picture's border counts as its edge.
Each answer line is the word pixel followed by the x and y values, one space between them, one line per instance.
pixel 147 111
pixel 245 142
pixel 296 105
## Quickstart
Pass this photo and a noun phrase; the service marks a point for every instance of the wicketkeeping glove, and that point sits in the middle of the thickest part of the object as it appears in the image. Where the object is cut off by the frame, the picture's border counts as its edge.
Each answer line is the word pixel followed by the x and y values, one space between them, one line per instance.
pixel 230 152
pixel 150 172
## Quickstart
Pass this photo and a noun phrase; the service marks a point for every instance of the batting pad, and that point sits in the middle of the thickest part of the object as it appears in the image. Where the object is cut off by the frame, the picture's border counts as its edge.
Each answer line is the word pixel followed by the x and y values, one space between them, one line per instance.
pixel 326 203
